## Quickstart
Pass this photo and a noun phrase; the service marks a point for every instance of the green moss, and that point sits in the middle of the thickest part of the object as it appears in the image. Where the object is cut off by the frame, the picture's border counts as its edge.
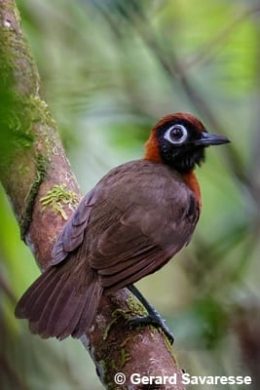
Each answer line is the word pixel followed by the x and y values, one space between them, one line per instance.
pixel 107 330
pixel 125 341
pixel 135 306
pixel 115 315
pixel 16 127
pixel 167 342
pixel 39 111
pixel 17 120
pixel 41 166
pixel 135 309
pixel 115 365
pixel 16 61
pixel 58 197
pixel 18 81
pixel 124 358
pixel 25 120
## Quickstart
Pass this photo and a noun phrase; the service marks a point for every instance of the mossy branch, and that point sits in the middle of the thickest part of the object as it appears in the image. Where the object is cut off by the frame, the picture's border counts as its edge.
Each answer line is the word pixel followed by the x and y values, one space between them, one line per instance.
pixel 43 191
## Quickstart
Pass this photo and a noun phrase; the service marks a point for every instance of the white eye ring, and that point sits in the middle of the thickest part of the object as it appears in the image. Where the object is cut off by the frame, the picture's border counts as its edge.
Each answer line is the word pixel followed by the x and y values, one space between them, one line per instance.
pixel 176 139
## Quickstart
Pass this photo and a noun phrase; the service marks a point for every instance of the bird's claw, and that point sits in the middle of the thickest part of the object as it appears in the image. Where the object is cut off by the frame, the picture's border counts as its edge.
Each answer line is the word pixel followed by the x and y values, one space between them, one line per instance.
pixel 151 320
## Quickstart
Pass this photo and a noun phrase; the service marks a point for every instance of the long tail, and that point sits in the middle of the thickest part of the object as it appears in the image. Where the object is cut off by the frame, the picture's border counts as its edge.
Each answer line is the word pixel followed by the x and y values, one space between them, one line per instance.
pixel 59 305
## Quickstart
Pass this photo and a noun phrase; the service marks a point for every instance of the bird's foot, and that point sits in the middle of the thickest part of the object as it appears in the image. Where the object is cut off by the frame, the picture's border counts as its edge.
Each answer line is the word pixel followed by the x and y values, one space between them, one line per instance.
pixel 154 320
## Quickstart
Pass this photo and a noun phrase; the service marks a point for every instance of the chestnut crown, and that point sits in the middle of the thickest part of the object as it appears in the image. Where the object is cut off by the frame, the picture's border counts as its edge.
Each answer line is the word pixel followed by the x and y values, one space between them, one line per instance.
pixel 179 140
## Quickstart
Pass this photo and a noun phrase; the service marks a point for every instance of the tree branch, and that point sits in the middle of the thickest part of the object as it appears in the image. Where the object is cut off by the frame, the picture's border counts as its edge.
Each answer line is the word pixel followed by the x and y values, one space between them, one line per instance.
pixel 38 179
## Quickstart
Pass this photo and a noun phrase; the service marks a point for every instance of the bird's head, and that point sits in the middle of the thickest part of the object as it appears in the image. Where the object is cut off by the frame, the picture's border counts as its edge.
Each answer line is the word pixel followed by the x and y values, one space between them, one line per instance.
pixel 179 140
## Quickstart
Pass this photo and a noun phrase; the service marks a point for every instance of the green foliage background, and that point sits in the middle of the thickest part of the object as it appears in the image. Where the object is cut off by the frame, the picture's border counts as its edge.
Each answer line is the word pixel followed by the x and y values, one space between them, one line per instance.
pixel 109 70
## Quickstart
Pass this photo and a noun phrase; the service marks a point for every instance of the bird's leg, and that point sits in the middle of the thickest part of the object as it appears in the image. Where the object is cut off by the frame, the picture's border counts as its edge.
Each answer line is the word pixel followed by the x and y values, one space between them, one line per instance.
pixel 153 317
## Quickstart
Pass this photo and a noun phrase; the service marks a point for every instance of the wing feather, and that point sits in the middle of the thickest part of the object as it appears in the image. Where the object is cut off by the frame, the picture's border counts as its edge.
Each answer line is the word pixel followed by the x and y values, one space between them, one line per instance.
pixel 139 227
pixel 71 237
pixel 131 223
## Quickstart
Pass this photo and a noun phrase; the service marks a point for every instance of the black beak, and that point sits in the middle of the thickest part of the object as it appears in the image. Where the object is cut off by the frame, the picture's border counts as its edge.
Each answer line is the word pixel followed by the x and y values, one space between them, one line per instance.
pixel 207 139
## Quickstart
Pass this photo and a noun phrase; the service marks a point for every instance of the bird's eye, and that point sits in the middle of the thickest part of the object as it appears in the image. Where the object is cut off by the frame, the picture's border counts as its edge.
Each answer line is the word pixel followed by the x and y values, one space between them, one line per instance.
pixel 176 134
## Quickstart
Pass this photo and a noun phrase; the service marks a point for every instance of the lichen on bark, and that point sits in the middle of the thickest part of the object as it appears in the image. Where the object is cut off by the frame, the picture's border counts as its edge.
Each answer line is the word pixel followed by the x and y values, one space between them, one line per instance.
pixel 58 197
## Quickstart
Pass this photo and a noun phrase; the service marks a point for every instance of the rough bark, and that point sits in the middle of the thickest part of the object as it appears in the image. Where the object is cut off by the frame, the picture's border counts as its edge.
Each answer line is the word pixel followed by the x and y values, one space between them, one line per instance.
pixel 38 179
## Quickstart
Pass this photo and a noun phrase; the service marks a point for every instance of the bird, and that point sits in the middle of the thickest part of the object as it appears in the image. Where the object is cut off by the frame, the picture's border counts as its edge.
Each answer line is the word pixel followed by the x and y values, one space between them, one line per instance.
pixel 136 218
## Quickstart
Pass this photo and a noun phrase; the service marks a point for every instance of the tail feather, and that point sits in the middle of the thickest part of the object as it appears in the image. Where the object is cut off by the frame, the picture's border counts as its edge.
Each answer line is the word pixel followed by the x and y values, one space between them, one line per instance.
pixel 68 304
pixel 48 304
pixel 39 298
pixel 64 328
pixel 59 304
pixel 33 293
pixel 89 310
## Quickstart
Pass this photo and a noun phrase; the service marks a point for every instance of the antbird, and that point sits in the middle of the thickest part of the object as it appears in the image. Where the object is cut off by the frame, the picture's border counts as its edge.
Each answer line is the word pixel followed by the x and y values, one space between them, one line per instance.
pixel 129 225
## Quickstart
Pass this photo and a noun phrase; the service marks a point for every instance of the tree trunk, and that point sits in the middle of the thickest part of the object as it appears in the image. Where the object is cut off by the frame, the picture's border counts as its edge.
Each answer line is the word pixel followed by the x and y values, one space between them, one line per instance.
pixel 43 191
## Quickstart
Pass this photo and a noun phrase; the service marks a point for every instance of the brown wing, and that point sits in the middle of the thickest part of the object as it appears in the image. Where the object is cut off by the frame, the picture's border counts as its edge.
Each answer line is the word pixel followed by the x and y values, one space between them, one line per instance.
pixel 144 215
pixel 72 235
pixel 134 220
pixel 129 225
